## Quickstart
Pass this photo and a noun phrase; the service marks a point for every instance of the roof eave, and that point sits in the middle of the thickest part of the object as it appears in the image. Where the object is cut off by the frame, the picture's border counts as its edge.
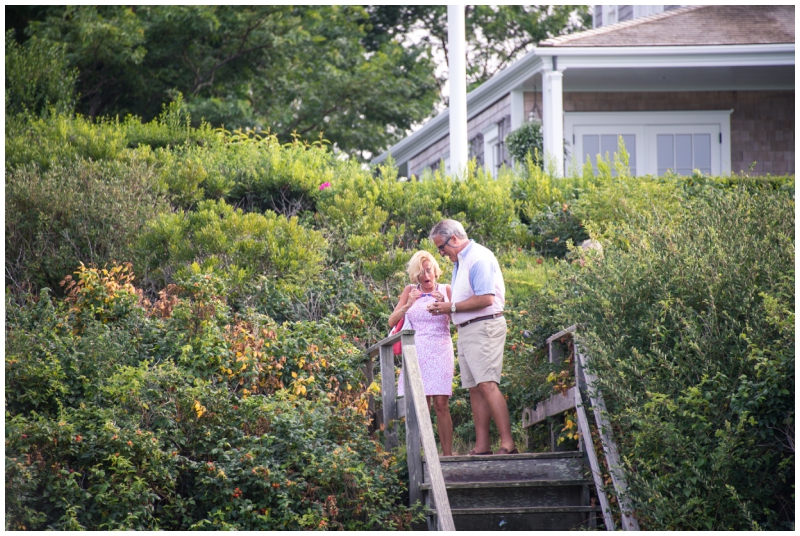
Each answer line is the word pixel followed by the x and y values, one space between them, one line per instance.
pixel 478 99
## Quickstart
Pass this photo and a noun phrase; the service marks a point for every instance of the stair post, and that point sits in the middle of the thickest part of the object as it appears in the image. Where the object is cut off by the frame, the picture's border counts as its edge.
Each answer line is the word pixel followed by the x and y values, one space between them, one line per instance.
pixel 389 398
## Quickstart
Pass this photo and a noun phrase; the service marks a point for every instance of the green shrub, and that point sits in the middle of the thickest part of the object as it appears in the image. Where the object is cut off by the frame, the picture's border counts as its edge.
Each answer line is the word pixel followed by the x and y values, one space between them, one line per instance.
pixel 75 212
pixel 60 140
pixel 60 137
pixel 688 329
pixel 526 141
pixel 38 78
pixel 179 415
pixel 239 245
pixel 553 229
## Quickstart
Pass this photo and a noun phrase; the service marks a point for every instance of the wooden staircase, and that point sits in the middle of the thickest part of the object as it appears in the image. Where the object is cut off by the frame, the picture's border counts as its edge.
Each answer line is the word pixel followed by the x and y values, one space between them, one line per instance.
pixel 540 491
pixel 536 491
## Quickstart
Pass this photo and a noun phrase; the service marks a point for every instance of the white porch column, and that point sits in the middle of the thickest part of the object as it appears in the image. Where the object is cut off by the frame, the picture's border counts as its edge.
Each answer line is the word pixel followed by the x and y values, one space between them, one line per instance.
pixel 553 120
pixel 457 58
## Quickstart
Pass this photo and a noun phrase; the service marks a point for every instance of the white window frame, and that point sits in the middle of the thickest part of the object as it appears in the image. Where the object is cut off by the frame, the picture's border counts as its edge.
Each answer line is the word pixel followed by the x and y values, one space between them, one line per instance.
pixel 646 126
pixel 490 135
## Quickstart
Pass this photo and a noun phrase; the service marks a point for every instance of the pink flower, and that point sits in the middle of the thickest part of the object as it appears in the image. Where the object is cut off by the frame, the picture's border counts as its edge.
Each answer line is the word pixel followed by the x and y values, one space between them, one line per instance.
pixel 324 185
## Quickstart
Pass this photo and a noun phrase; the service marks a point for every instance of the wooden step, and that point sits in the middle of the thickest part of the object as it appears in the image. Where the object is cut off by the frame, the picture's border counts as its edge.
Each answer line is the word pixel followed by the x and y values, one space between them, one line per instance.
pixel 530 518
pixel 517 494
pixel 512 467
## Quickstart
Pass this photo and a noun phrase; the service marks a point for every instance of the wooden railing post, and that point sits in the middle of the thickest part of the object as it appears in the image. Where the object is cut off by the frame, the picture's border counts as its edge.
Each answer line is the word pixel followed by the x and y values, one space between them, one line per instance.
pixel 389 398
pixel 586 433
pixel 419 428
pixel 413 445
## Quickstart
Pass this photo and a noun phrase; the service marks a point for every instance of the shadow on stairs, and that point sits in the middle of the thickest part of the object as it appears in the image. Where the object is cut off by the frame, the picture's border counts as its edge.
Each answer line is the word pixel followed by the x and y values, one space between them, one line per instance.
pixel 536 491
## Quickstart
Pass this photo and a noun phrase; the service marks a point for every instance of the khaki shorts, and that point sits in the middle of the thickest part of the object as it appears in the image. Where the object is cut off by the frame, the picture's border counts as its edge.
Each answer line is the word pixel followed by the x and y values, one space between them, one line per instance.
pixel 480 351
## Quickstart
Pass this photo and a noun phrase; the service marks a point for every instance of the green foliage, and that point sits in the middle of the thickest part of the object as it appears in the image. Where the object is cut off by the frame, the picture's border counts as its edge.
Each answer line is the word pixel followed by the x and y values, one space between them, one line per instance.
pixel 75 212
pixel 553 230
pixel 38 79
pixel 688 329
pixel 104 432
pixel 60 139
pixel 613 200
pixel 225 391
pixel 526 140
pixel 287 68
pixel 217 236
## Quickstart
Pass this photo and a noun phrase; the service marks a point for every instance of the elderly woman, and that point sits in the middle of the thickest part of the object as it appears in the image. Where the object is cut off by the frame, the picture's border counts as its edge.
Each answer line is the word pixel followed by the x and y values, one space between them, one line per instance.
pixel 431 337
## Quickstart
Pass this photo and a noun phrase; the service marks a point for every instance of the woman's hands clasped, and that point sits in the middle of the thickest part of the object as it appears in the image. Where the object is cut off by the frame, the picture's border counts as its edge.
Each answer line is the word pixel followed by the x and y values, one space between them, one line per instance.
pixel 412 297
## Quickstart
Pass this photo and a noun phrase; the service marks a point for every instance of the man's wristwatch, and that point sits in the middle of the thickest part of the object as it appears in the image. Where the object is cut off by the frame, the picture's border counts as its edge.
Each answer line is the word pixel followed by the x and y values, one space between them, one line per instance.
pixel 453 307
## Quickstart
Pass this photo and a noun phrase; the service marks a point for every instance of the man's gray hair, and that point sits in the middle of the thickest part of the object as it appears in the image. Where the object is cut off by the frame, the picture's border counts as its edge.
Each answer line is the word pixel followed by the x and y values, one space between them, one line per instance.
pixel 448 228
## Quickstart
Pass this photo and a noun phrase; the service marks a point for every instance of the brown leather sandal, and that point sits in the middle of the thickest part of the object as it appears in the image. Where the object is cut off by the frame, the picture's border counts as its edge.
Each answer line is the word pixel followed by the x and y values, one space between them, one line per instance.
pixel 473 453
pixel 503 450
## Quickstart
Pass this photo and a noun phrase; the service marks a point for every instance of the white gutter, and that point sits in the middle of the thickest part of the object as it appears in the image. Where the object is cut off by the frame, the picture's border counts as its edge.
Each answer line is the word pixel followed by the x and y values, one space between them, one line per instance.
pixel 659 50
pixel 671 56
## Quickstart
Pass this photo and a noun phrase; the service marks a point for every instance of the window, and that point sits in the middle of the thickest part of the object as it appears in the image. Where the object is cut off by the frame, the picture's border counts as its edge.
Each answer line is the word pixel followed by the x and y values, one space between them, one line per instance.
pixel 501 157
pixel 683 153
pixel 495 153
pixel 476 149
pixel 607 144
pixel 680 141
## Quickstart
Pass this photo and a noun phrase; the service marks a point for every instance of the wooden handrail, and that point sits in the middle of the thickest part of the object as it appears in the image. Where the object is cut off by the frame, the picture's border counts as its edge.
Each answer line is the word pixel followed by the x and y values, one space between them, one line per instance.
pixel 573 398
pixel 609 446
pixel 419 429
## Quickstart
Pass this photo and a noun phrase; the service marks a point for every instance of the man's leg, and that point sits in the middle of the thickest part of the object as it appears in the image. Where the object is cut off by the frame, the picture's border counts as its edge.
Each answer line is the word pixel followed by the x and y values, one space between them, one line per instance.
pixel 496 405
pixel 481 414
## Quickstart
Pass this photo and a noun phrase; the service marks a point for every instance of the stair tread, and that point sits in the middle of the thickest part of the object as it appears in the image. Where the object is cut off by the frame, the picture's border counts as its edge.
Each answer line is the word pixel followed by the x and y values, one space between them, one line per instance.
pixel 521 510
pixel 522 456
pixel 510 484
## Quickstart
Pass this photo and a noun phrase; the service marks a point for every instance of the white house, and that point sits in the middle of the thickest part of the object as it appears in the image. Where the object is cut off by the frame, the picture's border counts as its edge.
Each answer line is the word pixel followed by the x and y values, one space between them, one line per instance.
pixel 697 87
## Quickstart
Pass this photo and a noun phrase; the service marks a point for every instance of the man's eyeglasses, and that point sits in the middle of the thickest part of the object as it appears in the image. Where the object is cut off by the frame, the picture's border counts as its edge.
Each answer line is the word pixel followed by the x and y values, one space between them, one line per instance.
pixel 441 248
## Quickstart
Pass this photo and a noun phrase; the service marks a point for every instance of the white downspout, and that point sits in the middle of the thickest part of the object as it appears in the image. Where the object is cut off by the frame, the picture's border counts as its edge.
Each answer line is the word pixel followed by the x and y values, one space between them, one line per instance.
pixel 457 57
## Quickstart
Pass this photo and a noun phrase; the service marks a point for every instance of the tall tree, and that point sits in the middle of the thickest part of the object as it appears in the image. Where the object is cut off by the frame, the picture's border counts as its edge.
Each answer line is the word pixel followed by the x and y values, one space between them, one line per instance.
pixel 496 35
pixel 302 69
pixel 362 75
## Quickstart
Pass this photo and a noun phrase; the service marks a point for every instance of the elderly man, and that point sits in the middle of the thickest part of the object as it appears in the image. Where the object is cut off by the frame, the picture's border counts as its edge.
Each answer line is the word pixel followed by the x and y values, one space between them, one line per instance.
pixel 477 309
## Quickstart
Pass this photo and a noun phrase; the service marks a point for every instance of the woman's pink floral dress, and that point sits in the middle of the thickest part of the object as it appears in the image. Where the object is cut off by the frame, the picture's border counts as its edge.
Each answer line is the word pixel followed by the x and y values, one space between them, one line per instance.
pixel 434 348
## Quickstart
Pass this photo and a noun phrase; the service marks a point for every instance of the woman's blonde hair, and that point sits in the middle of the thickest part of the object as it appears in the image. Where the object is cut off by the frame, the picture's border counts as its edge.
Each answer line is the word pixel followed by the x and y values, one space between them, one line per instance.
pixel 415 265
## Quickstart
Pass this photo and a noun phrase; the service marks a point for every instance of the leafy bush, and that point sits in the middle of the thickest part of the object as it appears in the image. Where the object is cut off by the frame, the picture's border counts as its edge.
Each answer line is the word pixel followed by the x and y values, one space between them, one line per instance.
pixel 240 245
pixel 104 432
pixel 526 142
pixel 688 329
pixel 38 78
pixel 75 212
pixel 552 230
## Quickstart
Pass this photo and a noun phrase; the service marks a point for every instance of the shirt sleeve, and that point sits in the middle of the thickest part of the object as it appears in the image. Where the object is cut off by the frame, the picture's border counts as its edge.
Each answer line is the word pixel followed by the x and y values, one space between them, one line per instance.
pixel 481 277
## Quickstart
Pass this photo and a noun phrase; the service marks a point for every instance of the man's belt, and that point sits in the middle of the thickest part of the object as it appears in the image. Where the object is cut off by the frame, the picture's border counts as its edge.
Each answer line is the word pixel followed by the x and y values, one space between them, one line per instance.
pixel 480 318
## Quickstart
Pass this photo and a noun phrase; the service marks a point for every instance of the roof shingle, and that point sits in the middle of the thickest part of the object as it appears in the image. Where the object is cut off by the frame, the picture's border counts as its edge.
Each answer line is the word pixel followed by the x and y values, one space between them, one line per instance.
pixel 691 26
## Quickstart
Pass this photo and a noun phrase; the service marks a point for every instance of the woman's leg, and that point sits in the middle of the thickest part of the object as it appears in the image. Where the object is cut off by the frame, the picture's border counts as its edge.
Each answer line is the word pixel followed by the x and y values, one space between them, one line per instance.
pixel 444 423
